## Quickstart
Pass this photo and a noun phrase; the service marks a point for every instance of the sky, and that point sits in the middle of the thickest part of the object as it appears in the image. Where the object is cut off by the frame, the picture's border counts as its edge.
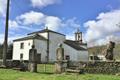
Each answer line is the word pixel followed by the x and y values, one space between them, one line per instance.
pixel 99 20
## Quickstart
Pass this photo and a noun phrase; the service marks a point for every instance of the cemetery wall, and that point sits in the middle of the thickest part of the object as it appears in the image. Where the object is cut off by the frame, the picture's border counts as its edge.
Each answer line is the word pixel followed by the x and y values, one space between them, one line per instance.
pixel 98 67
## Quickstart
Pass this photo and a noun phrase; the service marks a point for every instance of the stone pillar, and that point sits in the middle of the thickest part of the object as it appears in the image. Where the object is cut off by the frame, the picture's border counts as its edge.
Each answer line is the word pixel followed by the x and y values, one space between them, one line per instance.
pixel 60 53
pixel 60 63
pixel 33 59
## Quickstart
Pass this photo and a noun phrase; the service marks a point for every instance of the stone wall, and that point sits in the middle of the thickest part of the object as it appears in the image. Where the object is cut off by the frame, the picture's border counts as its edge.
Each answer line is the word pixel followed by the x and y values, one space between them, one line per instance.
pixel 8 63
pixel 103 67
pixel 11 63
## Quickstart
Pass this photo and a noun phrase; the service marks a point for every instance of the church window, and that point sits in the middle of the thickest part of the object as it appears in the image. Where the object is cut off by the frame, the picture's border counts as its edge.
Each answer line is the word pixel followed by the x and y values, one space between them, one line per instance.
pixel 21 56
pixel 22 46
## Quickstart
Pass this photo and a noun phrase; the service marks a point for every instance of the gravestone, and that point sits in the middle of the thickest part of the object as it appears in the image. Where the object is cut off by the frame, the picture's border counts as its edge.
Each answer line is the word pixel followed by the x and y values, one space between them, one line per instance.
pixel 109 51
pixel 33 59
pixel 60 53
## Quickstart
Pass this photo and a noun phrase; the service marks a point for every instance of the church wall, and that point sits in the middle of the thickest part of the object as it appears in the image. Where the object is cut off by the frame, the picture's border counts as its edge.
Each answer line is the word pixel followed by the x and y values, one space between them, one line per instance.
pixel 82 56
pixel 70 52
pixel 41 47
pixel 75 55
pixel 25 51
pixel 45 34
pixel 55 40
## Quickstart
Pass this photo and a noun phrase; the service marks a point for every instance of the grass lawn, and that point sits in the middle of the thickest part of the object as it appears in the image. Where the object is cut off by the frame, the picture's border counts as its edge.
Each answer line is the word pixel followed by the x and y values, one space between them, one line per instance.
pixel 8 74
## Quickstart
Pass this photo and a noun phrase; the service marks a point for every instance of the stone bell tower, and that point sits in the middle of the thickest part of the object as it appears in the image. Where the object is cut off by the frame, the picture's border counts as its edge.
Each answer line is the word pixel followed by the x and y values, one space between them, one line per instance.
pixel 78 36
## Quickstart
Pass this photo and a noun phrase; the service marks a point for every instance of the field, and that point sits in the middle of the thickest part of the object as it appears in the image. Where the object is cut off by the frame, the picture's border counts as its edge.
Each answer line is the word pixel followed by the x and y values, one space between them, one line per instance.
pixel 9 74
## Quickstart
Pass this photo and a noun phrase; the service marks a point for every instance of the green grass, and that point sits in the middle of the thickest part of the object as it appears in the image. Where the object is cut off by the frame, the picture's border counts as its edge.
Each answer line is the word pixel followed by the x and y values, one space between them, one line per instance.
pixel 8 74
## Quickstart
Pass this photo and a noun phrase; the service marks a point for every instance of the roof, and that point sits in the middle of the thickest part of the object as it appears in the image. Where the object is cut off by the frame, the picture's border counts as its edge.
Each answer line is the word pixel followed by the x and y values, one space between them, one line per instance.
pixel 36 36
pixel 75 44
pixel 46 30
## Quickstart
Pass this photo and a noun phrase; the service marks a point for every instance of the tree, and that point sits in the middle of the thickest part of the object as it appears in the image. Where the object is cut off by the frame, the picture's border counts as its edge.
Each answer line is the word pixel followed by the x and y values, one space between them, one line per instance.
pixel 1 50
pixel 9 51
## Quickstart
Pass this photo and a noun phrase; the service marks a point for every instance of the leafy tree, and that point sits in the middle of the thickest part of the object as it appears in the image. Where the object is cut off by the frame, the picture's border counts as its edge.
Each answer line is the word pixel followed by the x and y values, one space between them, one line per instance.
pixel 9 52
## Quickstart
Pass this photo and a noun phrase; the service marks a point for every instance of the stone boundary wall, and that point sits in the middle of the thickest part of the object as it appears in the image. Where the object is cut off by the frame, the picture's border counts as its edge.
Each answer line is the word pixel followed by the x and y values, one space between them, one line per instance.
pixel 8 63
pixel 97 67
pixel 13 63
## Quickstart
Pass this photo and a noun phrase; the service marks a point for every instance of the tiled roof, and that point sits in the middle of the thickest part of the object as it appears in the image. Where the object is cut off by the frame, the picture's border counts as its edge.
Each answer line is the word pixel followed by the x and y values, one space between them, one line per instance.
pixel 46 30
pixel 36 36
pixel 75 44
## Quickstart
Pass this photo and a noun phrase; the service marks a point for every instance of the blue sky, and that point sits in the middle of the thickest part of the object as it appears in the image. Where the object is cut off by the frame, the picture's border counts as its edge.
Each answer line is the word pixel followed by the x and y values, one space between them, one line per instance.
pixel 97 19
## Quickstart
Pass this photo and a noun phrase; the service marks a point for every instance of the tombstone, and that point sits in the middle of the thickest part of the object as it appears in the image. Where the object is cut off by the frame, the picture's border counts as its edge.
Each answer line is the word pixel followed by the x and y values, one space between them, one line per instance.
pixel 109 51
pixel 60 63
pixel 33 59
pixel 60 53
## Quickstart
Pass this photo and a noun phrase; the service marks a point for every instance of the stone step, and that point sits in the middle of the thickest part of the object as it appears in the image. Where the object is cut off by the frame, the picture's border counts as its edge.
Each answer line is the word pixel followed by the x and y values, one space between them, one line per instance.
pixel 74 71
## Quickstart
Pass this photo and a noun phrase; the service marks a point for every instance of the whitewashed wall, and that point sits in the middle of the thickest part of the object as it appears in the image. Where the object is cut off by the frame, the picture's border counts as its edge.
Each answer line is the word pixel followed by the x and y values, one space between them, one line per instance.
pixel 71 52
pixel 82 56
pixel 74 54
pixel 55 39
pixel 17 51
pixel 41 47
pixel 45 35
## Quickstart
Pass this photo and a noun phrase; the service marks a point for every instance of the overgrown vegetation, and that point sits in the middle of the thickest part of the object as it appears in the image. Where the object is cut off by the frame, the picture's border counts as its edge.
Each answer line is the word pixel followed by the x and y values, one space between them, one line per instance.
pixel 100 49
pixel 9 53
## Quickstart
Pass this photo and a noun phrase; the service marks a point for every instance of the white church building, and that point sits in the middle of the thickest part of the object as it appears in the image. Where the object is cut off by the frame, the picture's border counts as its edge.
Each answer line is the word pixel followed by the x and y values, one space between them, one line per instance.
pixel 46 42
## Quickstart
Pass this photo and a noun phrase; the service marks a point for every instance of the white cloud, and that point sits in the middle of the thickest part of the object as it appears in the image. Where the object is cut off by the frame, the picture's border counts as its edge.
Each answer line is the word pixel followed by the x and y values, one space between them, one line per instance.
pixel 53 22
pixel 113 38
pixel 105 40
pixel 13 24
pixel 31 18
pixel 69 27
pixel 3 4
pixel 43 3
pixel 38 18
pixel 27 20
pixel 73 22
pixel 16 36
pixel 70 36
pixel 1 38
pixel 106 24
pixel 10 38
